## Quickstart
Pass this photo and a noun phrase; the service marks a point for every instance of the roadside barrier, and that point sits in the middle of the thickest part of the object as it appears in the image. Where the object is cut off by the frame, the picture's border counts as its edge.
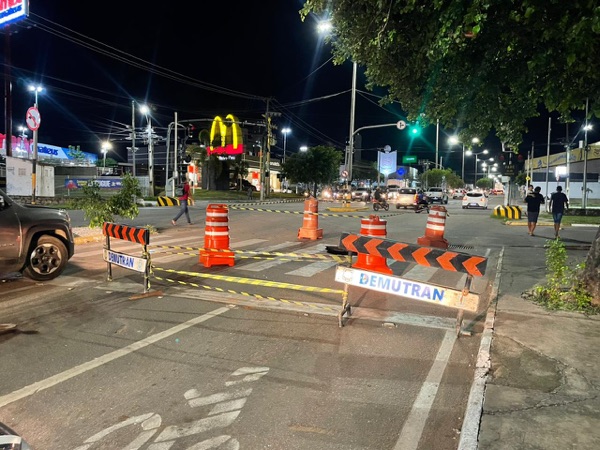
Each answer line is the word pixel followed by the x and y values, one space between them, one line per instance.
pixel 167 201
pixel 372 226
pixel 473 266
pixel 216 238
pixel 137 264
pixel 310 224
pixel 434 230
pixel 510 212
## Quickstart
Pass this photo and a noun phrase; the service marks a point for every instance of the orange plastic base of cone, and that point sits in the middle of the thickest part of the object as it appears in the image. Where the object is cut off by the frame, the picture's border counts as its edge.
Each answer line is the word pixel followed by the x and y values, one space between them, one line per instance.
pixel 209 259
pixel 310 233
pixel 372 263
pixel 430 242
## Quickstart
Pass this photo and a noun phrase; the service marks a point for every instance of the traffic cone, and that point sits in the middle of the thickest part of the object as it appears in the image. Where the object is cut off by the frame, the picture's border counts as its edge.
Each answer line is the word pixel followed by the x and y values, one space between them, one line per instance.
pixel 434 230
pixel 216 250
pixel 310 223
pixel 372 226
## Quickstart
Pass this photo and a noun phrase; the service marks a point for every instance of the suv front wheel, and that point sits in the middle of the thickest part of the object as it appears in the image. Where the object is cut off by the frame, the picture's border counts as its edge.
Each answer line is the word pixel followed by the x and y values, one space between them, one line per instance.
pixel 47 259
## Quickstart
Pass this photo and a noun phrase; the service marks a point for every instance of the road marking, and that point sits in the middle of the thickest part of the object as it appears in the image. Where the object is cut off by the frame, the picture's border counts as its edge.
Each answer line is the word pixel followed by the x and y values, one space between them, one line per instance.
pixel 415 423
pixel 97 362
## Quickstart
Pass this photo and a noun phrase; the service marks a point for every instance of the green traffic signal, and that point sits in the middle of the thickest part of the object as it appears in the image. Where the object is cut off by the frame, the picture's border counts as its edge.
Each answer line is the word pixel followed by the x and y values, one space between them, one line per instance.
pixel 415 129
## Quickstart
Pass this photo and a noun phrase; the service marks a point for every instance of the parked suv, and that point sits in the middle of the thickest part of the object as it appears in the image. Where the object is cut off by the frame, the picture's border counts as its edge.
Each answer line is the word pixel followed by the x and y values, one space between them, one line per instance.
pixel 35 240
pixel 437 194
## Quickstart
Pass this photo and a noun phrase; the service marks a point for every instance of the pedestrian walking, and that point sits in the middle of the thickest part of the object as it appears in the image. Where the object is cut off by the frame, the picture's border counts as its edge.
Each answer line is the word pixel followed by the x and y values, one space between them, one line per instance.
pixel 534 200
pixel 558 203
pixel 249 192
pixel 184 199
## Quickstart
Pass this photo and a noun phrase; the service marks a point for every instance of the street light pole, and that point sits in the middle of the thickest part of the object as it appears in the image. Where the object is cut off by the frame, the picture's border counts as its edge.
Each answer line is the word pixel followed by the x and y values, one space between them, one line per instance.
pixel 285 132
pixel 133 136
pixel 350 149
pixel 35 90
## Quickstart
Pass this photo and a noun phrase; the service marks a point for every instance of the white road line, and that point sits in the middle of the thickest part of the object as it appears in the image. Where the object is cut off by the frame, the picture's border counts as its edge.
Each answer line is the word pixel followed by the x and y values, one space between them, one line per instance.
pixel 97 362
pixel 413 427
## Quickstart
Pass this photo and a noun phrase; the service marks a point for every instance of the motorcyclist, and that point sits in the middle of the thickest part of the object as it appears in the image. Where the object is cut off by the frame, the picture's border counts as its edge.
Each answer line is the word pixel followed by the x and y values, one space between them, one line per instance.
pixel 421 200
pixel 379 196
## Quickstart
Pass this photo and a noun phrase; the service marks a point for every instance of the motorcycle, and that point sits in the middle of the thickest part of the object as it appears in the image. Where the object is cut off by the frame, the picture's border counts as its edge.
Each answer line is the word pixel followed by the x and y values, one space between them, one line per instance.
pixel 383 204
pixel 422 207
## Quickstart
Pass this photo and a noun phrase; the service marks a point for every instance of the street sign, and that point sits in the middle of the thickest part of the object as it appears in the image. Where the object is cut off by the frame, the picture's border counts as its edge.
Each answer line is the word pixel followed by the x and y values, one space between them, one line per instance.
pixel 401 125
pixel 409 159
pixel 344 174
pixel 528 178
pixel 33 118
pixel 509 170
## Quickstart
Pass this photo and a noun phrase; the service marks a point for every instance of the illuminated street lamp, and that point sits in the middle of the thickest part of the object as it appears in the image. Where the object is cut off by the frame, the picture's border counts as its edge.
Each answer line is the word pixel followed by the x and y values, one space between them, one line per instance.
pixel 285 132
pixel 106 146
pixel 453 140
pixel 469 153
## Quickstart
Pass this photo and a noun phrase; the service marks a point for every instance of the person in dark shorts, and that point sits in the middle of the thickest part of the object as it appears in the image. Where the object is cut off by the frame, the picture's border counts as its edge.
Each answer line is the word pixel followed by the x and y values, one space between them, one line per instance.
pixel 558 203
pixel 533 200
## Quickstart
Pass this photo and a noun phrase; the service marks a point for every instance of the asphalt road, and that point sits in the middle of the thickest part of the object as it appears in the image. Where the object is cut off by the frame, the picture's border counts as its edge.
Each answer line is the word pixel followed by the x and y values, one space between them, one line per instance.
pixel 248 356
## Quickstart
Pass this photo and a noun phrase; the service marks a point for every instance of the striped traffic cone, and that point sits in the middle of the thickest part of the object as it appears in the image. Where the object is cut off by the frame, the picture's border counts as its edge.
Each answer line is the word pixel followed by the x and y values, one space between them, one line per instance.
pixel 310 223
pixel 216 250
pixel 372 226
pixel 434 230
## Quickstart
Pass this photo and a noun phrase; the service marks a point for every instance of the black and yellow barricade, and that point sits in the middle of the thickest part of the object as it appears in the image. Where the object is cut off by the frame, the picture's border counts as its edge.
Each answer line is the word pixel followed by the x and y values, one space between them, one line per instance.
pixel 381 281
pixel 137 264
pixel 167 201
pixel 510 212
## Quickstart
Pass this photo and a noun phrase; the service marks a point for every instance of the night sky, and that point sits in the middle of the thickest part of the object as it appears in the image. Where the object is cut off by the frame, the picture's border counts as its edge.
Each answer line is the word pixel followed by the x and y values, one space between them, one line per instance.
pixel 93 59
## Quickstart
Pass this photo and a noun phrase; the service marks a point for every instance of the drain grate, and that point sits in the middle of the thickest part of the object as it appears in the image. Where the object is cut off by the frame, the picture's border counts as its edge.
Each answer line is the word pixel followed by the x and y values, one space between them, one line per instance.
pixel 462 247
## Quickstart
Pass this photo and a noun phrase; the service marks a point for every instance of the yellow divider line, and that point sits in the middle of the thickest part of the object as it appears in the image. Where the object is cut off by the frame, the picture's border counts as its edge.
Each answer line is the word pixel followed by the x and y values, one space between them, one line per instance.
pixel 252 281
pixel 247 294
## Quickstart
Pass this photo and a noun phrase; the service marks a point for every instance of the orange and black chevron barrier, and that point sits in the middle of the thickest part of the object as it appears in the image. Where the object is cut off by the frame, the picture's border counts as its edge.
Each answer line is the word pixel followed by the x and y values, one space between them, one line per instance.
pixel 216 238
pixel 126 233
pixel 425 256
pixel 310 224
pixel 434 230
pixel 375 227
pixel 132 234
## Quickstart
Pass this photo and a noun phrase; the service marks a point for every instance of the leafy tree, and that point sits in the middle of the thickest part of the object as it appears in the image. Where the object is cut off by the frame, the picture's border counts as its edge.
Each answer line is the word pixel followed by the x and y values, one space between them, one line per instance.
pixel 480 66
pixel 484 183
pixel 76 153
pixel 437 177
pixel 98 209
pixel 476 66
pixel 317 165
pixel 110 162
pixel 240 169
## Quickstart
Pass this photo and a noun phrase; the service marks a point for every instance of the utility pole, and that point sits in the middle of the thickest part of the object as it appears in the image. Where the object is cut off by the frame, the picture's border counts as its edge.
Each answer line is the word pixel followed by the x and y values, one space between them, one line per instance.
pixel 133 135
pixel 265 155
pixel 150 156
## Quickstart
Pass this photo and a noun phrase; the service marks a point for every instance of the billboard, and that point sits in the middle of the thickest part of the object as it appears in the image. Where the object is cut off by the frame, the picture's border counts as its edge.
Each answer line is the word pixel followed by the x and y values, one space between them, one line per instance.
pixel 13 11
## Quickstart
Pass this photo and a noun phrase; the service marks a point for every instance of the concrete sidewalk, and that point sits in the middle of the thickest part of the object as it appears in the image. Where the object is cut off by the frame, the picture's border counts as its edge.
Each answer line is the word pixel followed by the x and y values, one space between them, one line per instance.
pixel 542 378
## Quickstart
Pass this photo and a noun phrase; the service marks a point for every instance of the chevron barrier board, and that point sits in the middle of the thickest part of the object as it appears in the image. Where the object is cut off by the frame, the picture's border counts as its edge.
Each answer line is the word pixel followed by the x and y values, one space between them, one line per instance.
pixel 167 201
pixel 425 256
pixel 510 212
pixel 416 290
pixel 126 233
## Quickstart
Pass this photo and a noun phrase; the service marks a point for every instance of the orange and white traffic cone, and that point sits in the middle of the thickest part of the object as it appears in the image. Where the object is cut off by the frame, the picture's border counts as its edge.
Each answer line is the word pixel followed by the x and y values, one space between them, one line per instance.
pixel 434 230
pixel 216 250
pixel 372 226
pixel 310 223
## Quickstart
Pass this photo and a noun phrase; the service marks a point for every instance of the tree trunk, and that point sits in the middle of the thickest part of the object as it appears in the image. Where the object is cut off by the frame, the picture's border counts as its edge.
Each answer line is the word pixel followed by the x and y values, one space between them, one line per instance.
pixel 591 274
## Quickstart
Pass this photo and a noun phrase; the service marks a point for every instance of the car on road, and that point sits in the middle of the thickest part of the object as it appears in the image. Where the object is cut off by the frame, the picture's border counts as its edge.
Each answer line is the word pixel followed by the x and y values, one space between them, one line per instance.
pixel 34 240
pixel 404 198
pixel 361 194
pixel 475 199
pixel 437 194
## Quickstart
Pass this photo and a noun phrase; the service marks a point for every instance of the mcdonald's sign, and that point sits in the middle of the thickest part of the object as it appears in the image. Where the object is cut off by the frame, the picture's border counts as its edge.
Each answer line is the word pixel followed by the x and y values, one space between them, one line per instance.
pixel 226 136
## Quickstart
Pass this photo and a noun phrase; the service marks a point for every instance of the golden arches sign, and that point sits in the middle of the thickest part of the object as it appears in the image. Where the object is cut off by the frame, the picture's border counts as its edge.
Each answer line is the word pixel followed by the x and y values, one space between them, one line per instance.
pixel 228 133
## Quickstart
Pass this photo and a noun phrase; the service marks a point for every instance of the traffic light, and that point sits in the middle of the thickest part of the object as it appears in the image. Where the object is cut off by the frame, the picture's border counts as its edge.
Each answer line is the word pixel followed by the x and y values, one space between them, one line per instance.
pixel 415 129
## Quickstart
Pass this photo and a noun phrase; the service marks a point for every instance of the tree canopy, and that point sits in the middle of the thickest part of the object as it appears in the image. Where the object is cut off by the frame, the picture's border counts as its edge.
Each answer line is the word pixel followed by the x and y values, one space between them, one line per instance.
pixel 480 66
pixel 316 165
